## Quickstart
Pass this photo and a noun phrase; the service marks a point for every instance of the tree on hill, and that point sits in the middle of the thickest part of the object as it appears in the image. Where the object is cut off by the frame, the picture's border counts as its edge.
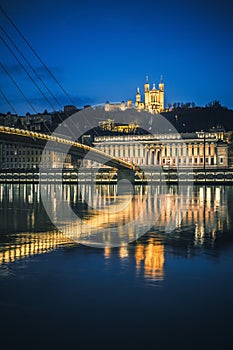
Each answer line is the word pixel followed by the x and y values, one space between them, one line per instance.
pixel 214 104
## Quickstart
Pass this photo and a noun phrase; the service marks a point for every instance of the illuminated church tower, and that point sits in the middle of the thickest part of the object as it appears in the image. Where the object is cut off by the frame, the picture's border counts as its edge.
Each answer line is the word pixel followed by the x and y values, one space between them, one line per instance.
pixel 153 99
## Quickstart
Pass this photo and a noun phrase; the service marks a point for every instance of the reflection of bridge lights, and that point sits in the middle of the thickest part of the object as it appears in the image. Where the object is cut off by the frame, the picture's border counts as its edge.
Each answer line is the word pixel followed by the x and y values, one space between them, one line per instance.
pixel 26 245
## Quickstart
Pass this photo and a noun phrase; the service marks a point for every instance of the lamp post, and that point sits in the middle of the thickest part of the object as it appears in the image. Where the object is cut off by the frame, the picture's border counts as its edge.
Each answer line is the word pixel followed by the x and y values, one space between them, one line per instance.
pixel 204 153
pixel 168 171
pixel 204 213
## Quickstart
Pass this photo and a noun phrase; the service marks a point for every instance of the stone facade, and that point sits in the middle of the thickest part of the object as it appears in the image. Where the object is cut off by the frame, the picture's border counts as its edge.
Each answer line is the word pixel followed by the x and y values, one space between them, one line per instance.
pixel 196 150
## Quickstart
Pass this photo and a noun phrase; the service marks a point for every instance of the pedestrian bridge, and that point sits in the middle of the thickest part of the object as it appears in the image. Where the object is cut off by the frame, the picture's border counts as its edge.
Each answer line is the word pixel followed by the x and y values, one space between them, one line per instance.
pixel 35 139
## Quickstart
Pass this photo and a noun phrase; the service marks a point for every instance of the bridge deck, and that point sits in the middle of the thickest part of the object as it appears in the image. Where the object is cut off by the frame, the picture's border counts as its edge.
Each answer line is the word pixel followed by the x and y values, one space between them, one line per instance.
pixel 75 148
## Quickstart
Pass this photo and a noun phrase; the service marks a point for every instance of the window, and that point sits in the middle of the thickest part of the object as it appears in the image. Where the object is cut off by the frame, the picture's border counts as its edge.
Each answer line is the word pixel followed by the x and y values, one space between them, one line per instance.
pixel 221 160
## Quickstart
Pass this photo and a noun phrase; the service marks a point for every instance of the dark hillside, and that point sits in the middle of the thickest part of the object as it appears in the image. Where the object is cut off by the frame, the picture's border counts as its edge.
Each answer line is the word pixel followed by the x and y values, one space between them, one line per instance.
pixel 195 119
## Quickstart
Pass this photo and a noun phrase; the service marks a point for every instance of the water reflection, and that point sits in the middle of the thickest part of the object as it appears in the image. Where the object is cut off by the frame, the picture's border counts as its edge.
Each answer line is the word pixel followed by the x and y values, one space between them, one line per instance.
pixel 150 258
pixel 102 218
pixel 197 216
pixel 27 244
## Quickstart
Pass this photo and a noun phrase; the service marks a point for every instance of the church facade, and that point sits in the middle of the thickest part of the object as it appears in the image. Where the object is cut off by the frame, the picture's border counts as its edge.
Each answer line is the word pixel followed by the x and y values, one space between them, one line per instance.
pixel 151 101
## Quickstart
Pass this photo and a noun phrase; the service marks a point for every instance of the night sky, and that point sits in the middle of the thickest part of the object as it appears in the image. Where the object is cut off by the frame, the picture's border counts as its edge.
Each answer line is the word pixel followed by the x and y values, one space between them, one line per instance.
pixel 101 50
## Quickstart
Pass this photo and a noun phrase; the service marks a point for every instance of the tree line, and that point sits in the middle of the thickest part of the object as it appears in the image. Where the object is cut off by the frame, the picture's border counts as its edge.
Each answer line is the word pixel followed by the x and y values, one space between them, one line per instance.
pixel 187 105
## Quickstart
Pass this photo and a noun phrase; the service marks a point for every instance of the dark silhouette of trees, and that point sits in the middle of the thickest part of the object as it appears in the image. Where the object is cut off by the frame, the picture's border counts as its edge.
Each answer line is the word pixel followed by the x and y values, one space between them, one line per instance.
pixel 214 104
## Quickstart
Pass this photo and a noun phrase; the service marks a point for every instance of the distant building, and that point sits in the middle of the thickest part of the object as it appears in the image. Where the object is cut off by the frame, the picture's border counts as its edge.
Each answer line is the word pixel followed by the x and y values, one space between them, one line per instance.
pixel 109 107
pixel 153 98
pixel 8 119
pixel 110 125
pixel 153 101
pixel 70 109
pixel 37 122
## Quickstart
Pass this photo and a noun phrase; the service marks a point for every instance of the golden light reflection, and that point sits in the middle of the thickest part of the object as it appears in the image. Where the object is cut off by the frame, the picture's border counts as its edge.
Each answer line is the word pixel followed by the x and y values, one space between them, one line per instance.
pixel 28 244
pixel 150 258
pixel 205 215
pixel 107 252
pixel 123 252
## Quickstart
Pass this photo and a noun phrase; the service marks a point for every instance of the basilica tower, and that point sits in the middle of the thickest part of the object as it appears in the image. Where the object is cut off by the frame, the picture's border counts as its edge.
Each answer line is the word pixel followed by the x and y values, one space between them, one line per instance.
pixel 153 98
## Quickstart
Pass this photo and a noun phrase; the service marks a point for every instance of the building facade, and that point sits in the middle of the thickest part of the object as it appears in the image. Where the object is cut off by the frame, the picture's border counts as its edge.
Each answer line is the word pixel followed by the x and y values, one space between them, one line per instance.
pixel 153 98
pixel 15 155
pixel 122 106
pixel 194 150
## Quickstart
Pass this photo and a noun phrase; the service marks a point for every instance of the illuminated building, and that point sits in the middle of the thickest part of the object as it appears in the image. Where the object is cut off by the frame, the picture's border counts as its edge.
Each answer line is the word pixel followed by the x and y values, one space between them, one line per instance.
pixel 196 150
pixel 153 101
pixel 109 107
pixel 109 125
pixel 153 98
pixel 14 155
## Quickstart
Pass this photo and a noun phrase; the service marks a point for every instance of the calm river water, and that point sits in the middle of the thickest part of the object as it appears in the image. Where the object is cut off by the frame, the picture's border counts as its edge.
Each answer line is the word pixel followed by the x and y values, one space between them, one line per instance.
pixel 172 287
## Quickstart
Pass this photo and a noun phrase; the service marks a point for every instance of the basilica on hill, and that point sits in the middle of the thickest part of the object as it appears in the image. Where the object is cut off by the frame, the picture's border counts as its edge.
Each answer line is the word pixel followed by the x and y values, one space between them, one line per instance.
pixel 152 101
pixel 153 98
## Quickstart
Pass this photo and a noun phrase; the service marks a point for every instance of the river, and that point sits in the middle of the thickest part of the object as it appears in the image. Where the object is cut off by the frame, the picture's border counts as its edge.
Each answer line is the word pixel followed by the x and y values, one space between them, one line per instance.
pixel 165 281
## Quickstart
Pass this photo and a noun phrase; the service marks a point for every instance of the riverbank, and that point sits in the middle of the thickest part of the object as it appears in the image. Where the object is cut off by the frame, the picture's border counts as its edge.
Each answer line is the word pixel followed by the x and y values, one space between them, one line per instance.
pixel 106 176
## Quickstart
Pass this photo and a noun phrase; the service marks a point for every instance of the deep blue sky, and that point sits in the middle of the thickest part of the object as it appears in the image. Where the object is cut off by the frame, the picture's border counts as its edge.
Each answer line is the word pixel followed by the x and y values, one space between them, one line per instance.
pixel 102 50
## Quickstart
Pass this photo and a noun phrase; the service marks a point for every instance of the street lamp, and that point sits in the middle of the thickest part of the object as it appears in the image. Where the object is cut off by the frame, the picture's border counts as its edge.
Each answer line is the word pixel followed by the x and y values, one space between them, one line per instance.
pixel 204 154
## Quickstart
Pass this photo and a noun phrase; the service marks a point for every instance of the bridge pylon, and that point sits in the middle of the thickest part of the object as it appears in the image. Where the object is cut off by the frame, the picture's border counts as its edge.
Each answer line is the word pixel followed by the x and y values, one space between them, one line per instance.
pixel 126 174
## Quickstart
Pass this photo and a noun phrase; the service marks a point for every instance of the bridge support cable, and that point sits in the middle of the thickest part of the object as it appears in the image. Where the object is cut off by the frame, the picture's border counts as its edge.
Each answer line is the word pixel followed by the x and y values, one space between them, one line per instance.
pixel 31 79
pixel 8 101
pixel 36 54
pixel 18 87
pixel 27 73
pixel 31 67
pixel 45 66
